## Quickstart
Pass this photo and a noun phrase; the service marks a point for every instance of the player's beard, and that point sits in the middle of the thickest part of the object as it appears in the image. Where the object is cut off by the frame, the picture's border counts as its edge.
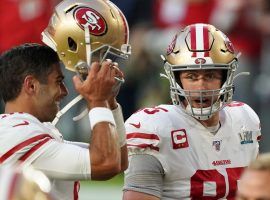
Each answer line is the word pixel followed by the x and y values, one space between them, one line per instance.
pixel 53 109
pixel 49 106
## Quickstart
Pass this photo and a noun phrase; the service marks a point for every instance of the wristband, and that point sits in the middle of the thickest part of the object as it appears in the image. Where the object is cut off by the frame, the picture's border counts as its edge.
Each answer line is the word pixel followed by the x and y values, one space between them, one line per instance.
pixel 120 125
pixel 100 114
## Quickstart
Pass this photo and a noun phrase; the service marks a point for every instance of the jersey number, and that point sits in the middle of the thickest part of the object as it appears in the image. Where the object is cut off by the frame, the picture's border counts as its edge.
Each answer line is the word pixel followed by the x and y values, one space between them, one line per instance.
pixel 201 177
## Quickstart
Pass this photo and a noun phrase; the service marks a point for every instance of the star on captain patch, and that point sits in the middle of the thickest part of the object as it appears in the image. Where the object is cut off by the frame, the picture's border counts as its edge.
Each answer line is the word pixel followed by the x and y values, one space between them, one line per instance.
pixel 216 144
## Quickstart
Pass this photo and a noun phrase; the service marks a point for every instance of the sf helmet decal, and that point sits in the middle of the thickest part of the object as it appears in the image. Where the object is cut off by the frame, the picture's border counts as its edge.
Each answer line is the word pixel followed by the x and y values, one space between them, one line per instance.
pixel 229 46
pixel 172 45
pixel 88 17
pixel 199 61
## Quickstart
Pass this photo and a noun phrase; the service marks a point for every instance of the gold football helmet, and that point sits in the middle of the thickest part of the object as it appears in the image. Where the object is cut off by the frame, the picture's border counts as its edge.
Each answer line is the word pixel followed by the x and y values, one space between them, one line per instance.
pixel 82 31
pixel 22 184
pixel 201 47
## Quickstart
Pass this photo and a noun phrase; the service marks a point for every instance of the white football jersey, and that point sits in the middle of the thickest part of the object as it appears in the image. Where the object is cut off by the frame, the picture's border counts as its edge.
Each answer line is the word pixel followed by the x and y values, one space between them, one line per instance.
pixel 25 140
pixel 197 164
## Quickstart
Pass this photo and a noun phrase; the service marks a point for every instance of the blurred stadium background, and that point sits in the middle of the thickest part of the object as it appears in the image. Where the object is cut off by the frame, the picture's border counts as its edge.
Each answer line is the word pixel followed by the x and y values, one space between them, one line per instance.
pixel 100 190
pixel 153 24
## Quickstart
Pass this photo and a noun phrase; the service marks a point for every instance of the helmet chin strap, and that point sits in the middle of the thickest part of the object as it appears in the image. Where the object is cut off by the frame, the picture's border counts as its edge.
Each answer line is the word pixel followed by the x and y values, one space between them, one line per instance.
pixel 163 76
pixel 241 74
pixel 202 113
pixel 87 45
pixel 66 108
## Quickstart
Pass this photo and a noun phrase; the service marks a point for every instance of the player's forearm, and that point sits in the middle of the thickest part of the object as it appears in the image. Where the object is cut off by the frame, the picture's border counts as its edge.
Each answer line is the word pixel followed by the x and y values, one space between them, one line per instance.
pixel 132 195
pixel 124 158
pixel 104 152
pixel 121 131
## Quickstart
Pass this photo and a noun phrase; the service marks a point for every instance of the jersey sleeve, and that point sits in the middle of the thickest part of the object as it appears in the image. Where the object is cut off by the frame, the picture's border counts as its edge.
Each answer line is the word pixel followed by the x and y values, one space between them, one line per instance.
pixel 27 141
pixel 243 114
pixel 64 161
pixel 141 134
pixel 248 123
pixel 144 131
pixel 253 120
pixel 145 174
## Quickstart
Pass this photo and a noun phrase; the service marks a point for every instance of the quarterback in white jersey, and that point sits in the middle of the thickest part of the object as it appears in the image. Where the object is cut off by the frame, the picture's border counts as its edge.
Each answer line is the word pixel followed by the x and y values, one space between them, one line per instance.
pixel 41 145
pixel 198 147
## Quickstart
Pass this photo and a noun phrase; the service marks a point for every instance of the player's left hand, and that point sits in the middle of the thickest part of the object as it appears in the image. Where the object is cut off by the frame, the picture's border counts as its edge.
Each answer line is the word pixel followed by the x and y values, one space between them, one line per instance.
pixel 119 76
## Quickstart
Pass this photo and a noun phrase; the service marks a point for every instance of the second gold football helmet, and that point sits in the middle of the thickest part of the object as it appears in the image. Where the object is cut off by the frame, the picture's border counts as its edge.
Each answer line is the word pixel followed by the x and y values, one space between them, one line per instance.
pixel 24 183
pixel 201 47
pixel 82 31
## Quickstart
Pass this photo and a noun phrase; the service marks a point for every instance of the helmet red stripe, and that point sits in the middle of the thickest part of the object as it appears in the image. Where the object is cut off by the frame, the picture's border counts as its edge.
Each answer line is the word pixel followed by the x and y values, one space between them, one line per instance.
pixel 193 40
pixel 124 22
pixel 126 27
pixel 206 41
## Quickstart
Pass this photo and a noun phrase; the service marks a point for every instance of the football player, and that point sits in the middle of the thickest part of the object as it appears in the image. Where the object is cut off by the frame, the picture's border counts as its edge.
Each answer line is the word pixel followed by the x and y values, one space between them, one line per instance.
pixel 197 147
pixel 254 182
pixel 90 37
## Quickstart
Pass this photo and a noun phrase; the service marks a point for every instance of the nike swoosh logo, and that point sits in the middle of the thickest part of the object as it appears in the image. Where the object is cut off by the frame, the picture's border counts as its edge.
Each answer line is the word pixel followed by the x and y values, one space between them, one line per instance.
pixel 136 125
pixel 22 124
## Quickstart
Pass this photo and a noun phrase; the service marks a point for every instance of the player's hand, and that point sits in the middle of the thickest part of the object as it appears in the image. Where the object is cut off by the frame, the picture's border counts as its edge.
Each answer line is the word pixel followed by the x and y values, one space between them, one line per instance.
pixel 98 86
pixel 119 81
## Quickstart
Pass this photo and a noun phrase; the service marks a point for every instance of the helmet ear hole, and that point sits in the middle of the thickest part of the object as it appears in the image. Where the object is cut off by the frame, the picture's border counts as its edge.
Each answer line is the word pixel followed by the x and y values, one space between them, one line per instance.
pixel 224 76
pixel 177 78
pixel 72 44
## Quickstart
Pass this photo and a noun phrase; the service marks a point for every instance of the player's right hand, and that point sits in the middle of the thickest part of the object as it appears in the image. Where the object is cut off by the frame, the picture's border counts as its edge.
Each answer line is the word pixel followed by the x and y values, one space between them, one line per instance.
pixel 98 86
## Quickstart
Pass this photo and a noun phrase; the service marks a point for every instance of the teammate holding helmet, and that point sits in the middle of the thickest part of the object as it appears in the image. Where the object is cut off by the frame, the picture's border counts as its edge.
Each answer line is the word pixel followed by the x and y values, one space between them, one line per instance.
pixel 31 84
pixel 198 147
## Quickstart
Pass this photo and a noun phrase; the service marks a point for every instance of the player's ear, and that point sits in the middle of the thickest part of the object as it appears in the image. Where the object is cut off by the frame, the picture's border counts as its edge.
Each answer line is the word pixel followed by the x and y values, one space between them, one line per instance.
pixel 30 84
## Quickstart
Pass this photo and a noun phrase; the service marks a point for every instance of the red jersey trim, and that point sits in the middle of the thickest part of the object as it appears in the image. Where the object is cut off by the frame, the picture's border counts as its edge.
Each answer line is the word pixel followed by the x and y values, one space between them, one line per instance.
pixel 76 189
pixel 235 104
pixel 24 144
pixel 143 146
pixel 33 149
pixel 142 136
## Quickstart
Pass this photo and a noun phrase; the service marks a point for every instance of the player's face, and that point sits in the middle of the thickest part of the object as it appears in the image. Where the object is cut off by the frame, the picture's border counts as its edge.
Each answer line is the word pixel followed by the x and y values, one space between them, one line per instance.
pixel 199 82
pixel 254 185
pixel 50 94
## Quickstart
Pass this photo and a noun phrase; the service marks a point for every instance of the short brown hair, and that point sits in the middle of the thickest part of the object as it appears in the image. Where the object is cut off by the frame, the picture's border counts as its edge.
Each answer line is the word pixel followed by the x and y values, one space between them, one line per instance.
pixel 18 62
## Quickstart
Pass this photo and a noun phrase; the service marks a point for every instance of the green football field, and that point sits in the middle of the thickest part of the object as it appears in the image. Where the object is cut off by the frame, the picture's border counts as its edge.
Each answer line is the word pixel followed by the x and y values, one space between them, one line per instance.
pixel 102 190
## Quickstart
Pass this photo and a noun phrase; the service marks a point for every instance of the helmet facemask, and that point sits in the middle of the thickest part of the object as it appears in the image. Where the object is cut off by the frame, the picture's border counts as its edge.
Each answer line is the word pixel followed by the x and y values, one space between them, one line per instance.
pixel 218 98
pixel 101 54
pixel 211 50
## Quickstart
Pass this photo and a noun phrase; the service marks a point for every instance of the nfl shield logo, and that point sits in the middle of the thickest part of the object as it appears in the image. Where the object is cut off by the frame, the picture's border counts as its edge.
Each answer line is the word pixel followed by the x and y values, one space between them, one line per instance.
pixel 216 145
